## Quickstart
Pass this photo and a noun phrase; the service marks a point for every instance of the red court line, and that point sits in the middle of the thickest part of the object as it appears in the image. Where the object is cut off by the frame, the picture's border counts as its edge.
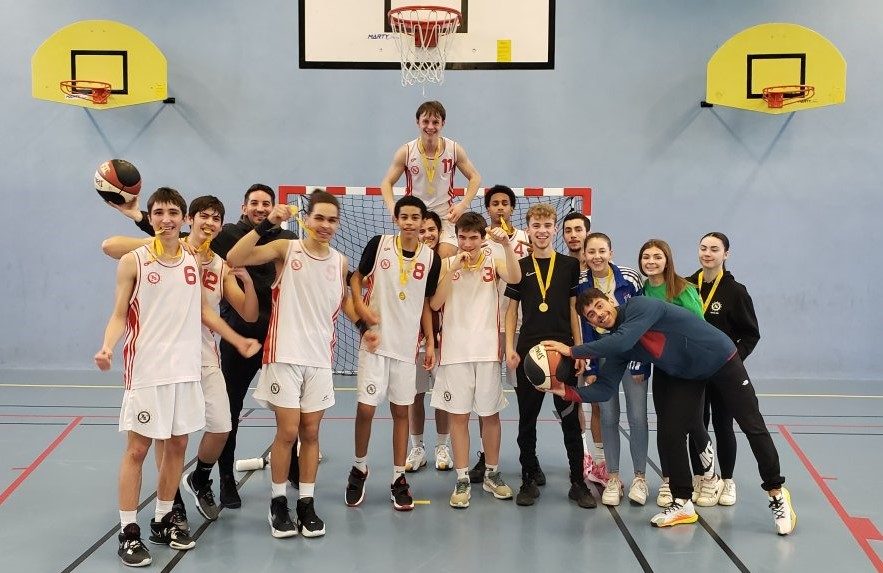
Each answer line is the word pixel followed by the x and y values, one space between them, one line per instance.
pixel 861 528
pixel 34 464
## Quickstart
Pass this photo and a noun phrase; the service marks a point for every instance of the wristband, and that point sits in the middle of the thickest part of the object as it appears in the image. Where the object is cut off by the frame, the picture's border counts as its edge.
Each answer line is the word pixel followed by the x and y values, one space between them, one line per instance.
pixel 264 227
pixel 362 326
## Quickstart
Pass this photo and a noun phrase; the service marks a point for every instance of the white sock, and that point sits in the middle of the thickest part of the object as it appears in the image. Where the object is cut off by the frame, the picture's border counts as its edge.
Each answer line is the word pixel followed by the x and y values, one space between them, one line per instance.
pixel 397 472
pixel 127 517
pixel 462 473
pixel 306 489
pixel 416 440
pixel 278 489
pixel 489 468
pixel 361 464
pixel 162 508
pixel 585 436
pixel 442 439
pixel 599 451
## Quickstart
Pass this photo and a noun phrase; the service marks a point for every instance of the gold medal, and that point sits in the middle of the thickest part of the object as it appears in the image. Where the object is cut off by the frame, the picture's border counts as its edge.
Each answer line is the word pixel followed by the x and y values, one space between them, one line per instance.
pixel 402 295
pixel 544 307
pixel 717 281
pixel 544 284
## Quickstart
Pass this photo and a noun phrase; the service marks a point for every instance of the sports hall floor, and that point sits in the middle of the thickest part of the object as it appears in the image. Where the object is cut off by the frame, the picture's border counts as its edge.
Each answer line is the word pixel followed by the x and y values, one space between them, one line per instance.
pixel 60 449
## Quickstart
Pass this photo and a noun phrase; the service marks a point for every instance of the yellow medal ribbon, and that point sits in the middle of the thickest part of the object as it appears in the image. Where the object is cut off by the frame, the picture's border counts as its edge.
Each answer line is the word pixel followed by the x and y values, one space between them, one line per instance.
pixel 507 228
pixel 717 280
pixel 159 250
pixel 477 263
pixel 300 223
pixel 610 282
pixel 205 247
pixel 544 286
pixel 429 164
pixel 403 272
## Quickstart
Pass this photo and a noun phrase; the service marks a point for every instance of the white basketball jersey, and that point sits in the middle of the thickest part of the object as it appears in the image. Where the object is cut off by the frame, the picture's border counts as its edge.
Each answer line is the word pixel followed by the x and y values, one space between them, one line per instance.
pixel 399 305
pixel 213 284
pixel 470 318
pixel 438 194
pixel 520 252
pixel 306 301
pixel 163 326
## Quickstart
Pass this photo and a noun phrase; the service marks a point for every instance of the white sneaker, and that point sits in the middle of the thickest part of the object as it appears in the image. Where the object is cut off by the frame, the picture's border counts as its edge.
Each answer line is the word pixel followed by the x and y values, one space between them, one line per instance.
pixel 710 491
pixel 612 491
pixel 664 498
pixel 783 513
pixel 493 483
pixel 728 495
pixel 416 459
pixel 462 494
pixel 679 512
pixel 697 484
pixel 443 461
pixel 638 490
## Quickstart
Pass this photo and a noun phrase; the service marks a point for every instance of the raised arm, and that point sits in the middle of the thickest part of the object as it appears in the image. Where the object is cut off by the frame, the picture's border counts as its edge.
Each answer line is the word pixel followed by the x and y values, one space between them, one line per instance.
pixel 117 246
pixel 246 251
pixel 127 272
pixel 508 268
pixel 396 168
pixel 641 317
pixel 464 164
pixel 244 299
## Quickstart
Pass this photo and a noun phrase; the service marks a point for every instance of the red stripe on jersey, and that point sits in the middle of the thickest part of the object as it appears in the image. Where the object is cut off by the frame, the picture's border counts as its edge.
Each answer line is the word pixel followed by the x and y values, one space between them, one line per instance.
pixel 133 328
pixel 409 183
pixel 270 341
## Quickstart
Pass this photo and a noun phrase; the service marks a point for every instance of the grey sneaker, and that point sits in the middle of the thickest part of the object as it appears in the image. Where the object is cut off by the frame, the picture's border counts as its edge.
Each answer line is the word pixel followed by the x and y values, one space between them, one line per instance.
pixel 462 494
pixel 493 483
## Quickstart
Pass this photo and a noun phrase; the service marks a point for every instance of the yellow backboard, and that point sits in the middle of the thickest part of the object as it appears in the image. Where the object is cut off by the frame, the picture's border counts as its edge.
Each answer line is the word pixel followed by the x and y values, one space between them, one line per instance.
pixel 103 51
pixel 771 55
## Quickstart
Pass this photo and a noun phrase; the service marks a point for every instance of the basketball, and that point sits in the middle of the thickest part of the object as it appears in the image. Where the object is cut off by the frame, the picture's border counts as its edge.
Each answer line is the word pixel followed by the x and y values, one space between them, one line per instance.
pixel 117 181
pixel 547 368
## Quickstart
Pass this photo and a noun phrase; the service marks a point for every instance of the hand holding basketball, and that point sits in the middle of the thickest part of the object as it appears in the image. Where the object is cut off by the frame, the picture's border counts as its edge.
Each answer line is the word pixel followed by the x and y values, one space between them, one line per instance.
pixel 130 209
pixel 104 359
pixel 558 347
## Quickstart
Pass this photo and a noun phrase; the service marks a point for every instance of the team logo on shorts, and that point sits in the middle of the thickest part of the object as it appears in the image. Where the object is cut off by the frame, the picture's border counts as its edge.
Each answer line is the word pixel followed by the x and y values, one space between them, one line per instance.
pixel 143 416
pixel 296 265
pixel 447 396
pixel 384 263
pixel 371 389
pixel 716 306
pixel 153 278
pixel 274 388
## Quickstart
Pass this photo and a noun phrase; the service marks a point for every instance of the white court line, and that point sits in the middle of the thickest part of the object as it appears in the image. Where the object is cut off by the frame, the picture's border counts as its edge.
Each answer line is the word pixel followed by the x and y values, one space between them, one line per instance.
pixel 351 389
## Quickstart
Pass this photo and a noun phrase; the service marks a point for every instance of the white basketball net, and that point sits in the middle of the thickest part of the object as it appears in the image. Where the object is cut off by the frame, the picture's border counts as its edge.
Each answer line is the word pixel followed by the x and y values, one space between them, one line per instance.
pixel 423 37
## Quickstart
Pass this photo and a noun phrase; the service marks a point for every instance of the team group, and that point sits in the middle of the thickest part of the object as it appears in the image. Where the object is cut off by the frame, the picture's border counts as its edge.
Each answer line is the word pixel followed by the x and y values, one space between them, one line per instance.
pixel 438 305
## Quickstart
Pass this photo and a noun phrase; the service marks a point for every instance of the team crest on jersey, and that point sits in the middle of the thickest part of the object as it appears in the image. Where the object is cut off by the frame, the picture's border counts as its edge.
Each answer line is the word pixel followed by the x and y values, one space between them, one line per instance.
pixel 447 396
pixel 296 265
pixel 455 276
pixel 371 389
pixel 143 416
pixel 274 388
pixel 716 307
pixel 153 278
pixel 384 264
pixel 487 251
pixel 415 170
pixel 330 273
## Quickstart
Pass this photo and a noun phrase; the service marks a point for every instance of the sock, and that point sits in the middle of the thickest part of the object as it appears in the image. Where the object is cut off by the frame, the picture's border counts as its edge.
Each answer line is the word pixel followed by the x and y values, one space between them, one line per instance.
pixel 278 489
pixel 178 499
pixel 585 436
pixel 416 440
pixel 397 472
pixel 462 473
pixel 442 439
pixel 306 490
pixel 491 468
pixel 599 451
pixel 361 464
pixel 162 508
pixel 201 473
pixel 127 517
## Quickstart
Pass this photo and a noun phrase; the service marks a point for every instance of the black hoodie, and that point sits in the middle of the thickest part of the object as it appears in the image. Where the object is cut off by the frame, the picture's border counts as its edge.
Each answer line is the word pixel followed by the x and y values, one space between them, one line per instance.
pixel 732 311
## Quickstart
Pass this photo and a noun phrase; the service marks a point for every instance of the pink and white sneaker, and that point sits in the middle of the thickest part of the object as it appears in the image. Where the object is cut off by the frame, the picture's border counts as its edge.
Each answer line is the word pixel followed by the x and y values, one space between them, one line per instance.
pixel 598 473
pixel 587 465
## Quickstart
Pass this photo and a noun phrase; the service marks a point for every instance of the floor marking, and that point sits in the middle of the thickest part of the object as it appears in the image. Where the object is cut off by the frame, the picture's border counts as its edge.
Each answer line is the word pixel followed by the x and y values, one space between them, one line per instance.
pixel 861 528
pixel 39 460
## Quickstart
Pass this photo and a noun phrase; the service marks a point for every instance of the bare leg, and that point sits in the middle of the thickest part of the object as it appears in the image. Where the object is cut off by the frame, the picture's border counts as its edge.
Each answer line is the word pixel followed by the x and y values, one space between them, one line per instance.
pixel 364 417
pixel 130 471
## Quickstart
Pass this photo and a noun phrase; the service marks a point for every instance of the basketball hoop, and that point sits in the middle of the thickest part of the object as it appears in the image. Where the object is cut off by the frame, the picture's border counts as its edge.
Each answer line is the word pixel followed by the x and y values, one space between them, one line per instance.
pixel 98 92
pixel 423 35
pixel 775 96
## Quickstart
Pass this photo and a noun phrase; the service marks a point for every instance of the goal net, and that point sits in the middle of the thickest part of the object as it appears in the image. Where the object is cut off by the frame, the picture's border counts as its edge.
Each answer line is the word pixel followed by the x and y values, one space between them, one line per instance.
pixel 364 215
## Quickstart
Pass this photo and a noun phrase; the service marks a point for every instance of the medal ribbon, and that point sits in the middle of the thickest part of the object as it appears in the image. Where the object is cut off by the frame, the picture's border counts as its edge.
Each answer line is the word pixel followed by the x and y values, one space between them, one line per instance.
pixel 403 272
pixel 544 287
pixel 717 281
pixel 429 163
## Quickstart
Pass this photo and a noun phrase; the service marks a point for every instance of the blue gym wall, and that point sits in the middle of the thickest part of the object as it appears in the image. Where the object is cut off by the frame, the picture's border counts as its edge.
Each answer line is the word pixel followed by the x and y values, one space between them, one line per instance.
pixel 799 195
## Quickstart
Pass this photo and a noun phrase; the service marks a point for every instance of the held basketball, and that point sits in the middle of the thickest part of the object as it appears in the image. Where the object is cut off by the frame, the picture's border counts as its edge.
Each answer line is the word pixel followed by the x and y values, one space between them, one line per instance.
pixel 548 369
pixel 117 181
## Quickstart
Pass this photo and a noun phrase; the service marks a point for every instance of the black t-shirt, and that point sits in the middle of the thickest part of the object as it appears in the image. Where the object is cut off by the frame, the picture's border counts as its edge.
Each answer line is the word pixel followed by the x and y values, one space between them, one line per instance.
pixel 554 324
pixel 369 256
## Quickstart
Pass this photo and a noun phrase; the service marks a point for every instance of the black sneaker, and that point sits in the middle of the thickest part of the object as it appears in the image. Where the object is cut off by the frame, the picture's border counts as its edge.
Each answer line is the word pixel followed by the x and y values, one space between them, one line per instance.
pixel 229 496
pixel 132 551
pixel 308 522
pixel 179 517
pixel 166 532
pixel 400 495
pixel 528 492
pixel 540 476
pixel 476 474
pixel 281 525
pixel 355 486
pixel 579 492
pixel 205 499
